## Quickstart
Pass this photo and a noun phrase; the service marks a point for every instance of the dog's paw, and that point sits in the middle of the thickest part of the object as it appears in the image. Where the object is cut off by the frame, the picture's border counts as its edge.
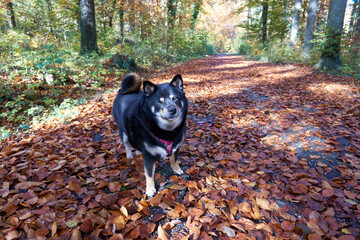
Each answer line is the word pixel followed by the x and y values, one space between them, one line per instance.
pixel 176 168
pixel 129 155
pixel 138 153
pixel 178 171
pixel 150 192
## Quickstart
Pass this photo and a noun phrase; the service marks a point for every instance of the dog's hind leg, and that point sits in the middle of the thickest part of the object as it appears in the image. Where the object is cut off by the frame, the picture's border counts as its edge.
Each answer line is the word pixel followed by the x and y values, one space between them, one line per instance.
pixel 127 146
pixel 175 165
pixel 149 167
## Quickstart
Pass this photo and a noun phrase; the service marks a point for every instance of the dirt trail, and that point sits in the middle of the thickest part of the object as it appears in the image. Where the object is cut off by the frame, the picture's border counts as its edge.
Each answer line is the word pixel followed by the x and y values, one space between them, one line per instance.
pixel 272 152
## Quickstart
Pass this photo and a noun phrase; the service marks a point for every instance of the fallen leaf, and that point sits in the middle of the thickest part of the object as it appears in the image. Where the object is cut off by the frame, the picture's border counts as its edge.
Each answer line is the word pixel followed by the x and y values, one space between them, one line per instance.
pixel 328 192
pixel 75 234
pixel 346 237
pixel 263 203
pixel 287 226
pixel 119 222
pixel 86 226
pixel 71 223
pixel 162 234
pixel 229 231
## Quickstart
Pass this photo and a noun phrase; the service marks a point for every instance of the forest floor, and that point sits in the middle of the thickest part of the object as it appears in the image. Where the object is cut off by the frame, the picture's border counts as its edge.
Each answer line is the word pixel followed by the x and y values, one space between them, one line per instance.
pixel 272 152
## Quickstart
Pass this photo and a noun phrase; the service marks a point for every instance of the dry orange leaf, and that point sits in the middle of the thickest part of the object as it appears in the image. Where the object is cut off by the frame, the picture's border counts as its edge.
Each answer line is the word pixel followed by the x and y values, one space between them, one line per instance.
pixel 162 234
pixel 287 226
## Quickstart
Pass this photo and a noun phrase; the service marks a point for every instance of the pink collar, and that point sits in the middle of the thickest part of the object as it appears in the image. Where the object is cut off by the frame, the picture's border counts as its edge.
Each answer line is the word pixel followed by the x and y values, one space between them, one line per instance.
pixel 168 144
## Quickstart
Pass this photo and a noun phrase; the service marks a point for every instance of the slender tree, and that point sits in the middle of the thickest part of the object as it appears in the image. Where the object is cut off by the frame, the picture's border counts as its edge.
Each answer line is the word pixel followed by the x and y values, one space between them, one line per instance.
pixel 132 15
pixel 88 27
pixel 50 16
pixel 197 6
pixel 264 17
pixel 355 47
pixel 310 26
pixel 295 23
pixel 121 19
pixel 284 18
pixel 171 17
pixel 330 56
pixel 10 15
pixel 171 10
pixel 353 15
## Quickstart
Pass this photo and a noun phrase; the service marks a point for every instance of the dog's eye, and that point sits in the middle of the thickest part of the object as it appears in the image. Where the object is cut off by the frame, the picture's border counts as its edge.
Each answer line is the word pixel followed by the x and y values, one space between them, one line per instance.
pixel 172 97
pixel 161 100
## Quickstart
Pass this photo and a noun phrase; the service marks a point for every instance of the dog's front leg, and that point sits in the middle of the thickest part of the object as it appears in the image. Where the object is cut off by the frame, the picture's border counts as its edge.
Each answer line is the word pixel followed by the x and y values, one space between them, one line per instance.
pixel 174 164
pixel 149 167
pixel 127 146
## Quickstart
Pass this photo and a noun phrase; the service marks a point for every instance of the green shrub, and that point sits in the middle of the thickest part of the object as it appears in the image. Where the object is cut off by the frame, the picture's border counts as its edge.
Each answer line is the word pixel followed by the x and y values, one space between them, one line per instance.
pixel 41 71
pixel 242 47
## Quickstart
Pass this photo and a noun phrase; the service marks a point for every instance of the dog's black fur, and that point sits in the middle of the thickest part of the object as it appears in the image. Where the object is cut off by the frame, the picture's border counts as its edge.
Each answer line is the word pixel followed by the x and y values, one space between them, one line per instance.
pixel 151 121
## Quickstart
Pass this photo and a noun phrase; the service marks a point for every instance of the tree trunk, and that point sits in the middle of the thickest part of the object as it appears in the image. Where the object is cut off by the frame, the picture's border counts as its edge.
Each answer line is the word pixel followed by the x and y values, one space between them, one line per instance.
pixel 248 21
pixel 295 23
pixel 353 17
pixel 171 9
pixel 197 5
pixel 121 17
pixel 171 15
pixel 330 56
pixel 310 26
pixel 50 18
pixel 284 18
pixel 132 16
pixel 110 21
pixel 355 46
pixel 111 13
pixel 10 15
pixel 264 17
pixel 88 27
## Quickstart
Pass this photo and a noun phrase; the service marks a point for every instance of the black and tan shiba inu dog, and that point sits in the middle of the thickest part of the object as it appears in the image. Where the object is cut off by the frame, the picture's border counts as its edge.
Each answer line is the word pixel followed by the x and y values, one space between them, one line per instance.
pixel 151 121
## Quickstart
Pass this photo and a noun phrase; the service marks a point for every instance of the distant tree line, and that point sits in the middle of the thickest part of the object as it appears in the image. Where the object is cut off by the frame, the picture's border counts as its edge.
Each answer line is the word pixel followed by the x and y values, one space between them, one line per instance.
pixel 61 19
pixel 297 20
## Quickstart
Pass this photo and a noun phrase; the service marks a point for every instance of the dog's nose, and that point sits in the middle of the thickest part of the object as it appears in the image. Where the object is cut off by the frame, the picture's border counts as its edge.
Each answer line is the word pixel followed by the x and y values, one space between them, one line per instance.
pixel 172 110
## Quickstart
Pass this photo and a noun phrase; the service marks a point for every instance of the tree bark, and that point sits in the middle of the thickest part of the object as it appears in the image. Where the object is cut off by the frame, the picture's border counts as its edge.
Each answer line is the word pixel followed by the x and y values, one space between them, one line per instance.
pixel 248 21
pixel 264 17
pixel 50 18
pixel 353 17
pixel 295 23
pixel 330 56
pixel 197 6
pixel 310 26
pixel 284 17
pixel 355 46
pixel 88 27
pixel 171 16
pixel 132 16
pixel 111 13
pixel 121 19
pixel 10 15
pixel 171 9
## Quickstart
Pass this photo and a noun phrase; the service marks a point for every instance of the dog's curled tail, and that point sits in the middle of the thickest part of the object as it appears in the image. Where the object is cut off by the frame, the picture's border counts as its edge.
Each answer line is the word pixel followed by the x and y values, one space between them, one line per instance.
pixel 131 83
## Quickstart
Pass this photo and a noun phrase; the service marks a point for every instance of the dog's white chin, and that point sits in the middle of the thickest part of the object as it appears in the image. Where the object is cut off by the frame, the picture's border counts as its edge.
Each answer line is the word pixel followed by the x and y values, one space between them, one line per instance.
pixel 169 124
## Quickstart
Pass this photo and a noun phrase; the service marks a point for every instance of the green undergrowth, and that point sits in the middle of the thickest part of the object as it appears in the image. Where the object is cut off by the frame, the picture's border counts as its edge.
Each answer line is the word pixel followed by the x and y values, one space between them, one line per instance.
pixel 278 52
pixel 43 78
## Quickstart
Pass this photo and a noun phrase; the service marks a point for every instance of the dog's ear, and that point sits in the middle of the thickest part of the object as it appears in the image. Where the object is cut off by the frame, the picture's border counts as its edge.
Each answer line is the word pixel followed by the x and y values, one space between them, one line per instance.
pixel 178 82
pixel 148 87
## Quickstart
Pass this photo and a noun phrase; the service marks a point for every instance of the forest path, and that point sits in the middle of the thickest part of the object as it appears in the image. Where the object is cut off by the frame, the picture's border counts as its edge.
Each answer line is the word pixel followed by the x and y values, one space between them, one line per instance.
pixel 271 151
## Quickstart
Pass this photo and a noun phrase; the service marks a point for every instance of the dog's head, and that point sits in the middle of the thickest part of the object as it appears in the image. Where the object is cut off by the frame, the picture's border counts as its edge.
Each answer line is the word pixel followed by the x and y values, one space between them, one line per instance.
pixel 166 103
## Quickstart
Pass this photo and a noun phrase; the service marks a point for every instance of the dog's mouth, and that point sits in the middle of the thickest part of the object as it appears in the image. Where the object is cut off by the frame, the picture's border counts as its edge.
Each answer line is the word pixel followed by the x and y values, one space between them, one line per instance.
pixel 170 118
pixel 169 121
